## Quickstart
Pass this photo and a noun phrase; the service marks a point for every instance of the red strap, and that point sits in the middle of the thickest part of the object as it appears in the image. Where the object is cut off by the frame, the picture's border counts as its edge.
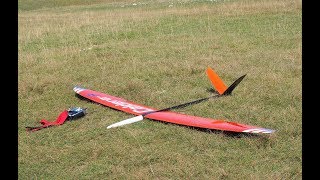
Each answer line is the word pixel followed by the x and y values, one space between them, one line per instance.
pixel 60 120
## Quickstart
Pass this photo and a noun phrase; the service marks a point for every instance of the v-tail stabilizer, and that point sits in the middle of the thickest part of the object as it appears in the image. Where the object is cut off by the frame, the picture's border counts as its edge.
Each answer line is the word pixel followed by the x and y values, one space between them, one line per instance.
pixel 219 85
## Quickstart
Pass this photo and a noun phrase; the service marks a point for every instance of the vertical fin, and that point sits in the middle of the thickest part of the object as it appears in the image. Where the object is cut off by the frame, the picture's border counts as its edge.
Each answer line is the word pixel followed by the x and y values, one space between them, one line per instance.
pixel 217 83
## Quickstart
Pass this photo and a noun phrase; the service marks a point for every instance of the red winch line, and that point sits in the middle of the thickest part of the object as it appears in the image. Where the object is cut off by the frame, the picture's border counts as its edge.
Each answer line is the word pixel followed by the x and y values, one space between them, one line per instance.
pixel 60 120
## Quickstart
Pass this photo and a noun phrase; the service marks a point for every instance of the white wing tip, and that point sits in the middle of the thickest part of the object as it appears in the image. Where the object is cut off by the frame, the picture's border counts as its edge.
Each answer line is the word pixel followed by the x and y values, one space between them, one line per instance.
pixel 259 130
pixel 78 89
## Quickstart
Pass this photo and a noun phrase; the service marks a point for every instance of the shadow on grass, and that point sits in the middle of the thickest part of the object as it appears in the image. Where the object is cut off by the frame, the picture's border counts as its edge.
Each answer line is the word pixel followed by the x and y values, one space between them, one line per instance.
pixel 211 90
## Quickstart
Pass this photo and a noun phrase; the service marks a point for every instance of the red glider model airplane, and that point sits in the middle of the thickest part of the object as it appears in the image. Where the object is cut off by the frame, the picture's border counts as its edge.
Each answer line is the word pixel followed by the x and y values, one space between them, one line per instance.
pixel 165 115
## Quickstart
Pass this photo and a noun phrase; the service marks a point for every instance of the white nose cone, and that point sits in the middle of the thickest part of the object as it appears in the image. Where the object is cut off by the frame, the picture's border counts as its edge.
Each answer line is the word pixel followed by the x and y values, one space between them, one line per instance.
pixel 127 121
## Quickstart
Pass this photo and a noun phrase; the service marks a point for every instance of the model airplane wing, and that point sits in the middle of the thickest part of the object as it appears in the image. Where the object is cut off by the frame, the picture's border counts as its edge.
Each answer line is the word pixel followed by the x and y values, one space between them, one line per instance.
pixel 166 116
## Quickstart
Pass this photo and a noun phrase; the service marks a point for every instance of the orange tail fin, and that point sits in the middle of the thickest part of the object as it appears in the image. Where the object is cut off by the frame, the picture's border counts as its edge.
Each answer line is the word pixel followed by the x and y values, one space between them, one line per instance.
pixel 217 83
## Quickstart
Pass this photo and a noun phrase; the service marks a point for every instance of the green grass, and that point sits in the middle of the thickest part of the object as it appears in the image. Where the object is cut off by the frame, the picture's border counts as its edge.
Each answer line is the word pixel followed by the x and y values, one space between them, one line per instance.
pixel 155 53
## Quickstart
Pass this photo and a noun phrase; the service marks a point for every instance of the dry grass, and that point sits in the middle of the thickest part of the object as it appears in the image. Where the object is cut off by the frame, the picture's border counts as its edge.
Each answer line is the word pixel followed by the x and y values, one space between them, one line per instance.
pixel 155 53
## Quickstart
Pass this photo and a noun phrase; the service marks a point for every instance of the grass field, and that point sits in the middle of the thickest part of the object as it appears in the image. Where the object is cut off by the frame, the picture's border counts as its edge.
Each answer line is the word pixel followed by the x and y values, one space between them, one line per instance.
pixel 155 53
